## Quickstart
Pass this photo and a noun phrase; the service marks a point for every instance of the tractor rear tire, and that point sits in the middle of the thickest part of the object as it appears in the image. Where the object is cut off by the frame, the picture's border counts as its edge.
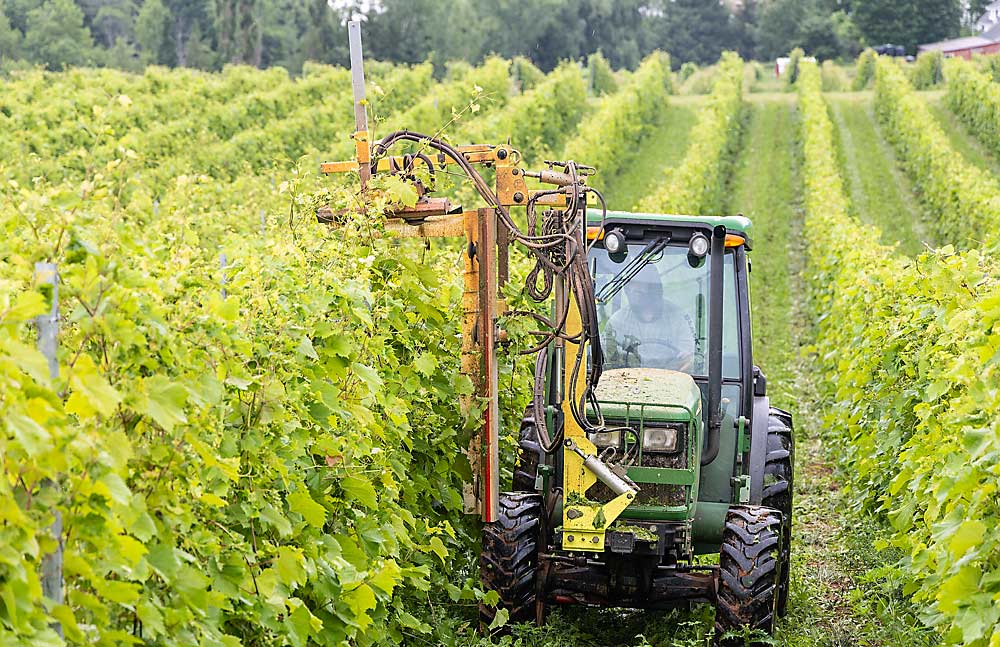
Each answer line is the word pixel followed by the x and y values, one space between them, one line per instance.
pixel 509 559
pixel 778 490
pixel 748 573
pixel 527 461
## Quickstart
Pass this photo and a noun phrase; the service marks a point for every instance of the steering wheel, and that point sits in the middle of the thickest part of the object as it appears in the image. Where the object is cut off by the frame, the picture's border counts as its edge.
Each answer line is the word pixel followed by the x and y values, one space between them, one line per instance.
pixel 683 361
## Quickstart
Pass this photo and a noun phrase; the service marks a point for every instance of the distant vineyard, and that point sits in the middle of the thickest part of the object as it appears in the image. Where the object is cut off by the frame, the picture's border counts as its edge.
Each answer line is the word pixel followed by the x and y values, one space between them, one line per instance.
pixel 963 201
pixel 697 184
pixel 910 347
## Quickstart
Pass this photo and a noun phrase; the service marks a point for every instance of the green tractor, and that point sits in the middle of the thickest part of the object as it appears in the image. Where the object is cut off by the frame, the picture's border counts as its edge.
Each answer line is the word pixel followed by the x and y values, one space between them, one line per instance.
pixel 650 439
pixel 688 457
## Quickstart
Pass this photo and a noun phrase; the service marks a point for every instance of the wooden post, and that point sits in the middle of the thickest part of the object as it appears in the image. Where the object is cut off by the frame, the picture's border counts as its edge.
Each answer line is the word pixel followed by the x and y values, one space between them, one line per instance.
pixel 472 495
pixel 486 256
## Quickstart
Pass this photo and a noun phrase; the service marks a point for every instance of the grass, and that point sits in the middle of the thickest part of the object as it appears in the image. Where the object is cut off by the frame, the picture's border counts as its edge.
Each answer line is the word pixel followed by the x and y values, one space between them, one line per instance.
pixel 764 191
pixel 880 193
pixel 961 140
pixel 663 148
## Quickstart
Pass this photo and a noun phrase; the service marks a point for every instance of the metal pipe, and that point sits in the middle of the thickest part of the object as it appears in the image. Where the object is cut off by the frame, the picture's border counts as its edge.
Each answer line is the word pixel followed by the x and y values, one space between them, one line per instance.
pixel 603 473
pixel 360 102
pixel 714 427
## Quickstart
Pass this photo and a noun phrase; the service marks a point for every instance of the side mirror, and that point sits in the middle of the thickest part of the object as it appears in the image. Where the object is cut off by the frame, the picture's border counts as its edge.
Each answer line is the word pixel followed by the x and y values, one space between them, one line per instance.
pixel 759 383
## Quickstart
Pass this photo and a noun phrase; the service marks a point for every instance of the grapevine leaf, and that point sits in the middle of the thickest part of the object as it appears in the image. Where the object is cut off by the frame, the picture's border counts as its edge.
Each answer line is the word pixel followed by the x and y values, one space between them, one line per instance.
pixel 29 434
pixel 360 489
pixel 91 392
pixel 312 512
pixel 970 533
pixel 164 401
pixel 360 601
pixel 306 348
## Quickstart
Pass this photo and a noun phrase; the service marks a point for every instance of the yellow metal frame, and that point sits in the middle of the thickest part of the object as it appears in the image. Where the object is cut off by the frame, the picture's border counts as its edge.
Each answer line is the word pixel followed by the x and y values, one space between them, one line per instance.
pixel 584 525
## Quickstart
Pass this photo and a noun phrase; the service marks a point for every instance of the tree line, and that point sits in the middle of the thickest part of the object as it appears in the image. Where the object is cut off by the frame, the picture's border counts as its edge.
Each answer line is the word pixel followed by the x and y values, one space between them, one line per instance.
pixel 208 34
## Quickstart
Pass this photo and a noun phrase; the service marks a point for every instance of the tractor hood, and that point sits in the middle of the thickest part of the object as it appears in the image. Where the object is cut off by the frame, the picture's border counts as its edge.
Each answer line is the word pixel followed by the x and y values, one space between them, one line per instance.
pixel 652 394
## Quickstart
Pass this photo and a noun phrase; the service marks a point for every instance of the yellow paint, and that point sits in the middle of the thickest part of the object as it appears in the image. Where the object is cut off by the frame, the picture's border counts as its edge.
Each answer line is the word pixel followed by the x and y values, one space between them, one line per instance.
pixel 577 479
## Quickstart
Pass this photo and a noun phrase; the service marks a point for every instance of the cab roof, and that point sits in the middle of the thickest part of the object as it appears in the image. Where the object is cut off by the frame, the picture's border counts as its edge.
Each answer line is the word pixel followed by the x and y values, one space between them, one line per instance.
pixel 734 224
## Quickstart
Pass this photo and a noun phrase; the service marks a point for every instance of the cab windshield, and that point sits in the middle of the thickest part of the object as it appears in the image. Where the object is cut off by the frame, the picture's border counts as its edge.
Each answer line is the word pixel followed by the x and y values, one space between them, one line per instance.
pixel 659 319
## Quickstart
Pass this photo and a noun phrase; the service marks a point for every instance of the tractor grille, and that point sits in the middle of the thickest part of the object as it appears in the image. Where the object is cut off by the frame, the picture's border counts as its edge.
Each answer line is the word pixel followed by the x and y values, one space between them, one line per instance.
pixel 653 494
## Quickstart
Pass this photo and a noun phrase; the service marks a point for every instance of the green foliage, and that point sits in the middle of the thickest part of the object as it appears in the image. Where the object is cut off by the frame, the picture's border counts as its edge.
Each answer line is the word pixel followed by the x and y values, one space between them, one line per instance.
pixel 910 345
pixel 525 74
pixel 699 80
pixel 962 200
pixel 834 77
pixel 794 60
pixel 486 88
pixel 865 70
pixel 687 69
pixel 10 38
pixel 975 98
pixel 602 77
pixel 540 120
pixel 698 184
pixel 908 23
pixel 816 26
pixel 281 465
pixel 990 65
pixel 609 138
pixel 928 71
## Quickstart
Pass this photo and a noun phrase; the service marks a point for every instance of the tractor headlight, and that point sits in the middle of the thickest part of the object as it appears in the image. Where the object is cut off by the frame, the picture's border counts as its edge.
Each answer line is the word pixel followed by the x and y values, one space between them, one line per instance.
pixel 614 241
pixel 607 439
pixel 698 246
pixel 659 439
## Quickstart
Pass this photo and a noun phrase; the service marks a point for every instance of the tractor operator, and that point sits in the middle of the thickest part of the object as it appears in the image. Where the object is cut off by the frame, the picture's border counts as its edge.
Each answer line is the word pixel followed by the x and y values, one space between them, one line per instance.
pixel 650 331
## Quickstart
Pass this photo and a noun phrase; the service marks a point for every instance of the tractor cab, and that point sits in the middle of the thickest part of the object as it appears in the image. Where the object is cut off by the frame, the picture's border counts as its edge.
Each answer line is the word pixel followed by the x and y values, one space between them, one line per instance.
pixel 653 284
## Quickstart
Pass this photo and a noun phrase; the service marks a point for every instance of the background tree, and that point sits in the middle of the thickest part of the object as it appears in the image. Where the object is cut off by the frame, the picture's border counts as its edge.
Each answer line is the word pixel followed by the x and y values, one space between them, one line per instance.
pixel 152 33
pixel 56 36
pixel 10 38
pixel 907 22
pixel 239 31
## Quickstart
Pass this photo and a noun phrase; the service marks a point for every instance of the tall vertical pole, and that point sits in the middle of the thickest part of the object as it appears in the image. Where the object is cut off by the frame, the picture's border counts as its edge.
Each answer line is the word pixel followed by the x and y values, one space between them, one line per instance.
pixel 360 102
pixel 48 332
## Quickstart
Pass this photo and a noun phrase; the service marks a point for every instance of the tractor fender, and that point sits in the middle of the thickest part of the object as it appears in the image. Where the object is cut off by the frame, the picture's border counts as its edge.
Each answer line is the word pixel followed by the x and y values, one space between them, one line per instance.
pixel 758 447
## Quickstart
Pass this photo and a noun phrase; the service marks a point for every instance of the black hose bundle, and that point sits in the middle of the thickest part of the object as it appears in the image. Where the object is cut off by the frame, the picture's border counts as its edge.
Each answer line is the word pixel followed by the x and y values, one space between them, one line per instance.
pixel 558 245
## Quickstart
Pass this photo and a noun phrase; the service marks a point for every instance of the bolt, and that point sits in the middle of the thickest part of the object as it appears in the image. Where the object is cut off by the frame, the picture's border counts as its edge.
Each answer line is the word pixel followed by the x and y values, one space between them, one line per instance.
pixel 595 540
pixel 570 538
pixel 501 154
pixel 515 172
pixel 518 197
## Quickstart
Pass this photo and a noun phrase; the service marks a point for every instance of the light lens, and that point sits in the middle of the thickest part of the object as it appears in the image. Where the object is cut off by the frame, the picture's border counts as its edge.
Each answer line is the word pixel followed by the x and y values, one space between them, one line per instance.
pixel 659 439
pixel 698 245
pixel 607 439
pixel 614 242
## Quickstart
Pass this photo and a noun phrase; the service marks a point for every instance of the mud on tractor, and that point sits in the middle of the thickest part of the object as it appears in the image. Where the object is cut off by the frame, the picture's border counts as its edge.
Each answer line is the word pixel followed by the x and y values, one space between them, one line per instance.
pixel 649 440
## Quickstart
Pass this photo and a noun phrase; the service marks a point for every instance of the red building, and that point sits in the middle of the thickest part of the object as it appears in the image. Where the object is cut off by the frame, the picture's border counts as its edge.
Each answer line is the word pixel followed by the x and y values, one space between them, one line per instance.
pixel 986 43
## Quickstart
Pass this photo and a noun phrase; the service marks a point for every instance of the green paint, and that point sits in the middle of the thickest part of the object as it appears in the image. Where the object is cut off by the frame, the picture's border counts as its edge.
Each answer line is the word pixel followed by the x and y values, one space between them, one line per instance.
pixel 648 394
pixel 709 520
pixel 661 475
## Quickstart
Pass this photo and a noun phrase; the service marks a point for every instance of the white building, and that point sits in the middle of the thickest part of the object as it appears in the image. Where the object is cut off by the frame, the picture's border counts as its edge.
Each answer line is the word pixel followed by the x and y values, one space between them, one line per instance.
pixel 990 17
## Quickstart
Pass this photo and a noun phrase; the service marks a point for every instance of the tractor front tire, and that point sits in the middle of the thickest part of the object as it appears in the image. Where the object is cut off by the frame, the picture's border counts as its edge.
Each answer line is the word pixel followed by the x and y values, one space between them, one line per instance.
pixel 748 574
pixel 509 559
pixel 778 486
